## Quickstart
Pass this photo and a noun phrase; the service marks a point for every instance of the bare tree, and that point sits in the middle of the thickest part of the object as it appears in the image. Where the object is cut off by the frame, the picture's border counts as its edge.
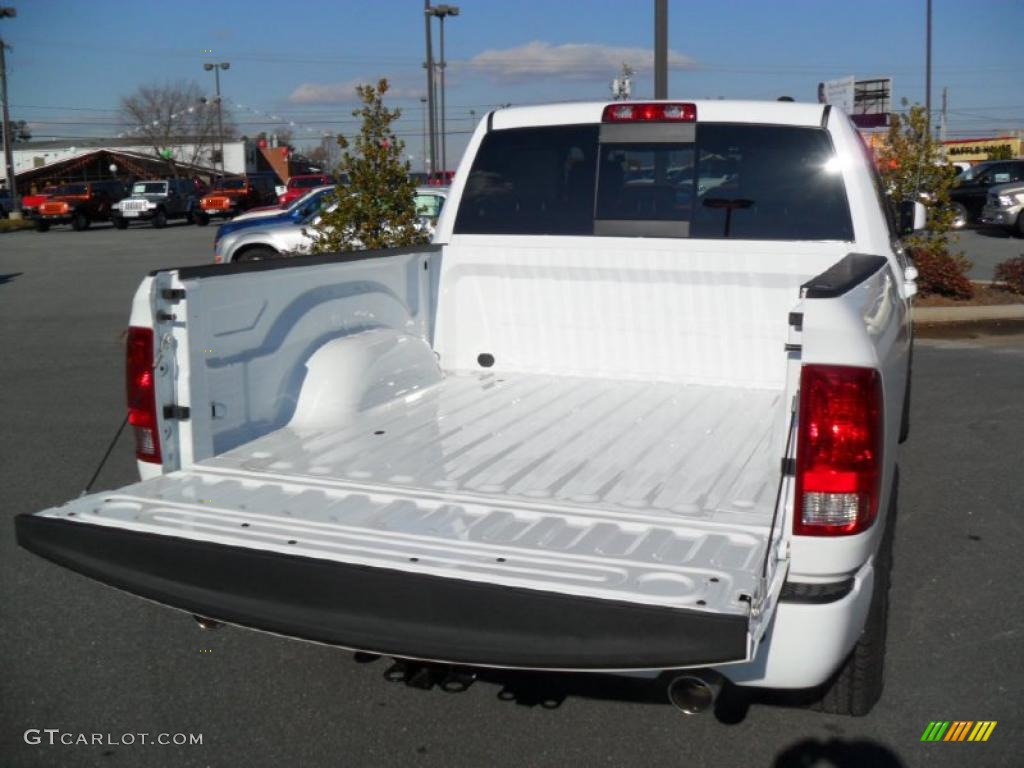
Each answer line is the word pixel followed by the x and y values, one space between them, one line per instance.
pixel 327 154
pixel 176 119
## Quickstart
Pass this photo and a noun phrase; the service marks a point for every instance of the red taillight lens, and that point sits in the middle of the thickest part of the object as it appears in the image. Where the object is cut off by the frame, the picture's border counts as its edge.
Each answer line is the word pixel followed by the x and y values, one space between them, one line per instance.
pixel 141 393
pixel 839 450
pixel 655 112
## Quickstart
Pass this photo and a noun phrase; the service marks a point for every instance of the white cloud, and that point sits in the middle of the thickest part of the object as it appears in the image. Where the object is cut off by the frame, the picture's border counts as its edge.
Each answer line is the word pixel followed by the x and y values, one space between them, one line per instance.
pixel 345 92
pixel 571 61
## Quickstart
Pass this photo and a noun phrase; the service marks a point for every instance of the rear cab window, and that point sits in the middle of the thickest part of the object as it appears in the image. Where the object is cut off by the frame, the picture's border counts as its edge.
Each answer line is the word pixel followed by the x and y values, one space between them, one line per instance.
pixel 705 180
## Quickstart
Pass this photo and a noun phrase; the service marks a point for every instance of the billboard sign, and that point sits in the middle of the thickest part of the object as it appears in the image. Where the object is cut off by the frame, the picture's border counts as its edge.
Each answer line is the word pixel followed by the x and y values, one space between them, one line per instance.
pixel 872 102
pixel 838 93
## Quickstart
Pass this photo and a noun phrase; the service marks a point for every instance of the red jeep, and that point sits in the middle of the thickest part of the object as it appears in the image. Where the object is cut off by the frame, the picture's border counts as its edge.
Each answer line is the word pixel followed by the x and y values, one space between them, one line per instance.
pixel 230 197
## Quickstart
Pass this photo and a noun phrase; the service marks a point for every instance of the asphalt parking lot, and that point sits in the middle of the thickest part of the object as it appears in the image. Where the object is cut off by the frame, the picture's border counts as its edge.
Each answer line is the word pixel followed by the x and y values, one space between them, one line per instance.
pixel 83 658
pixel 986 248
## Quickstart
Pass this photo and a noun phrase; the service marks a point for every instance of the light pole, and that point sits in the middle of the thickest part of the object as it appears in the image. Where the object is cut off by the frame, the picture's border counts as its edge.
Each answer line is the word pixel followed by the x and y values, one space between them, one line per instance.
pixel 442 12
pixel 661 49
pixel 426 160
pixel 928 65
pixel 217 67
pixel 430 83
pixel 12 181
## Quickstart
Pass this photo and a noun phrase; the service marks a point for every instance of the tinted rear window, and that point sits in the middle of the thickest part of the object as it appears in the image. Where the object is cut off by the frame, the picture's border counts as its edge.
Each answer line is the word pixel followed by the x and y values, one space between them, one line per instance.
pixel 734 181
pixel 532 181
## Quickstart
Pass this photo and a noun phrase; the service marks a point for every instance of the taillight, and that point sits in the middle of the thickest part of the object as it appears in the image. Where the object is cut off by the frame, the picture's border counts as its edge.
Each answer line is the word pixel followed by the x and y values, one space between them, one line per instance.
pixel 653 112
pixel 141 393
pixel 839 450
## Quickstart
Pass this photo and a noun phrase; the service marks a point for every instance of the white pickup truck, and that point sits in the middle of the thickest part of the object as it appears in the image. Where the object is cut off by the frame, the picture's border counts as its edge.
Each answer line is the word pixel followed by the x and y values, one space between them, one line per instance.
pixel 635 411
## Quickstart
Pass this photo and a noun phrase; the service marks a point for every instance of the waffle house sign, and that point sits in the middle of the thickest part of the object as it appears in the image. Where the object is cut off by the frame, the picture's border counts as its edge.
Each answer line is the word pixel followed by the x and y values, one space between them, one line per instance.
pixel 974 150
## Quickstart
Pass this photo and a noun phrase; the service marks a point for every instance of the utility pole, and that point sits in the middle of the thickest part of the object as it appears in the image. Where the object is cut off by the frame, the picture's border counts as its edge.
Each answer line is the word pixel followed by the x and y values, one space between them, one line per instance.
pixel 661 49
pixel 928 66
pixel 430 84
pixel 442 12
pixel 423 144
pixel 942 115
pixel 217 67
pixel 12 181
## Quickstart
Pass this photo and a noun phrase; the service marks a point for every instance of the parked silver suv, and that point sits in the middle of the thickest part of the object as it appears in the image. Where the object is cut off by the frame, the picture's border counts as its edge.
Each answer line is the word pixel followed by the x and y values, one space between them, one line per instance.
pixel 1004 208
pixel 157 202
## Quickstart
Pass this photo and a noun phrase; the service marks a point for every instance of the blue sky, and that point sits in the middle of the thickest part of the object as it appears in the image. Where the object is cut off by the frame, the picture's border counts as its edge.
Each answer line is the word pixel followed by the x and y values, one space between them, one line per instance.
pixel 74 59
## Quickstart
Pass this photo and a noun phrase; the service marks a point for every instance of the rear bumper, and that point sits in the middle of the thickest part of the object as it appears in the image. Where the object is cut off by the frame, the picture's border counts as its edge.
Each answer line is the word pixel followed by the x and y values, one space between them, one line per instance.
pixel 394 613
pixel 813 631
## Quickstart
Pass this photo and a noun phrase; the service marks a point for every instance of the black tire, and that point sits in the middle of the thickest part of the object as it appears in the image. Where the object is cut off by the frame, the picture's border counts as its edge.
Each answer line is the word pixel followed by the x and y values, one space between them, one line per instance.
pixel 960 216
pixel 201 219
pixel 1019 230
pixel 121 223
pixel 79 222
pixel 857 686
pixel 159 219
pixel 256 253
pixel 42 226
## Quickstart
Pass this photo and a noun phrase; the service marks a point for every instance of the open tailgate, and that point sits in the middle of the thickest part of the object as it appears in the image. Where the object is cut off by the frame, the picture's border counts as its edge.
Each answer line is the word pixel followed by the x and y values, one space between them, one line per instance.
pixel 467 575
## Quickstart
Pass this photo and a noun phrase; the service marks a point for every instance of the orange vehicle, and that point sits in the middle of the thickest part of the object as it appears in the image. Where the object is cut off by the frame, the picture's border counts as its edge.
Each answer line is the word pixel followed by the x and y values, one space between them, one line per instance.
pixel 231 196
pixel 79 204
pixel 29 203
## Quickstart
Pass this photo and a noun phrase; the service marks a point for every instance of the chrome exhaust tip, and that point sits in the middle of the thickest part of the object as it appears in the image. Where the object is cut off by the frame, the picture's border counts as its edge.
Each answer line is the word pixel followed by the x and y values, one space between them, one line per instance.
pixel 694 693
pixel 205 624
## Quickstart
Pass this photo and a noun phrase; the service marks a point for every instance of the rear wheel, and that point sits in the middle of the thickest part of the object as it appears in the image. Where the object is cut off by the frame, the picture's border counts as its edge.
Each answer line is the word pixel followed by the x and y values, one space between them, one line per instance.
pixel 79 222
pixel 959 220
pixel 257 253
pixel 1020 224
pixel 159 219
pixel 858 684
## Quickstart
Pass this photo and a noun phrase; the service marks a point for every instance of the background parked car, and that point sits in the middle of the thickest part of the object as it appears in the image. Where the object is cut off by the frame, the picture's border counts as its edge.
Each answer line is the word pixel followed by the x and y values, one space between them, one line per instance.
pixel 297 211
pixel 970 189
pixel 79 204
pixel 6 203
pixel 156 201
pixel 429 201
pixel 299 185
pixel 30 203
pixel 1004 208
pixel 233 195
pixel 268 240
pixel 441 178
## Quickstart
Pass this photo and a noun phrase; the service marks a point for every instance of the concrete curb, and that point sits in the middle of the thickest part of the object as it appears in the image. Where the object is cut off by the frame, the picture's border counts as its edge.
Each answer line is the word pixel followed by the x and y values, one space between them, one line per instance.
pixel 968 314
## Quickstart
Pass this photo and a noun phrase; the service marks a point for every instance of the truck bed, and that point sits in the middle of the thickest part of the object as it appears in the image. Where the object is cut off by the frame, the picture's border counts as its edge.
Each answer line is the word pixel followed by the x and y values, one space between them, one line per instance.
pixel 651 493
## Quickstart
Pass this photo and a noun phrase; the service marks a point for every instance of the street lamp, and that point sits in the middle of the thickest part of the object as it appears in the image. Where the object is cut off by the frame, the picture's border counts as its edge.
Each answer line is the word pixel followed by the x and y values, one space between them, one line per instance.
pixel 442 12
pixel 426 160
pixel 217 67
pixel 12 182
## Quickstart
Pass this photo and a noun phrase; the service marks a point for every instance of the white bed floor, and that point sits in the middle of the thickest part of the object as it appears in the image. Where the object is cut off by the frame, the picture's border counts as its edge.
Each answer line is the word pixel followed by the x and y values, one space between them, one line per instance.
pixel 647 492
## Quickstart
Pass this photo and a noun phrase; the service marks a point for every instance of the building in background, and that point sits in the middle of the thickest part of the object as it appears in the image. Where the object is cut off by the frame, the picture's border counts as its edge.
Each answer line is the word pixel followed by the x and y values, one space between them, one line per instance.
pixel 48 162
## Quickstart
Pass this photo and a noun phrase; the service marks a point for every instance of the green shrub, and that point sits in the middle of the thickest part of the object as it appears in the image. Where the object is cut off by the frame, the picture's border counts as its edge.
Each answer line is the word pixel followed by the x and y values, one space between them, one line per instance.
pixel 943 275
pixel 1010 274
